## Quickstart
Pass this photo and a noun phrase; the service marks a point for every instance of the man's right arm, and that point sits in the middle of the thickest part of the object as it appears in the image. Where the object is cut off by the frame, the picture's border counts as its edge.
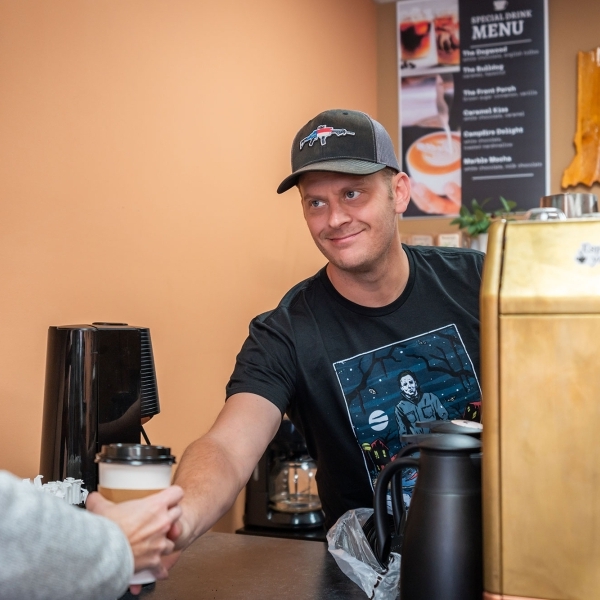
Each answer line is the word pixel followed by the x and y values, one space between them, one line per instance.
pixel 214 469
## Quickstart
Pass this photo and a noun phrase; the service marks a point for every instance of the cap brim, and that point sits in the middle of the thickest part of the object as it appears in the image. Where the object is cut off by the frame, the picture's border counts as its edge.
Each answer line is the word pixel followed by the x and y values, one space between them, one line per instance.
pixel 345 165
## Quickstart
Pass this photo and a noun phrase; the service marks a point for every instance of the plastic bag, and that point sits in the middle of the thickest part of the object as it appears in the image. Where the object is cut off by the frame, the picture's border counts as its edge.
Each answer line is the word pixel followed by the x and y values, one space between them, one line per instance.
pixel 349 547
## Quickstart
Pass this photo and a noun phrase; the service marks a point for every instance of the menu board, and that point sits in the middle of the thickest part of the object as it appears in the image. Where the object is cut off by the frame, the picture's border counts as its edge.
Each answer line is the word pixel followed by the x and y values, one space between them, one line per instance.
pixel 473 102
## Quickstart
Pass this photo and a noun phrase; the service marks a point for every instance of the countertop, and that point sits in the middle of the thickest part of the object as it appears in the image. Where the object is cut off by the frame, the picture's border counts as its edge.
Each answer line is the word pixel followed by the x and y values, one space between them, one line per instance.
pixel 226 566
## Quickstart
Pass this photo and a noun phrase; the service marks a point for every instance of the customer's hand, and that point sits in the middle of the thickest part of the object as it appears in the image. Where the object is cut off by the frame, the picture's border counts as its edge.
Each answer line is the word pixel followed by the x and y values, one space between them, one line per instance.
pixel 148 524
pixel 431 203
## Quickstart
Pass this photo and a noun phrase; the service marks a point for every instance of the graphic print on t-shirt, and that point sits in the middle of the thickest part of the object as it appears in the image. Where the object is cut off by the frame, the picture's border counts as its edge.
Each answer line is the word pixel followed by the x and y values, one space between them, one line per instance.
pixel 390 389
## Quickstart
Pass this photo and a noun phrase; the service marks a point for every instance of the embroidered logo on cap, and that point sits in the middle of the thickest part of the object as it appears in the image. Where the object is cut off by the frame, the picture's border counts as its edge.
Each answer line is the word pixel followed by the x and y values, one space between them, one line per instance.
pixel 321 133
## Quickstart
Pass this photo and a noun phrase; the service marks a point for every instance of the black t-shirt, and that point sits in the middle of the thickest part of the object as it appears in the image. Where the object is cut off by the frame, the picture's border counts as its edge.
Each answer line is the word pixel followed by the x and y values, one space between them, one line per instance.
pixel 353 378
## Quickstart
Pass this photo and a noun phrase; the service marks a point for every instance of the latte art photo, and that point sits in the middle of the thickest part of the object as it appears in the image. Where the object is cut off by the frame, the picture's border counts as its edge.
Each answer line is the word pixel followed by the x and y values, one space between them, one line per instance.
pixel 438 154
pixel 434 160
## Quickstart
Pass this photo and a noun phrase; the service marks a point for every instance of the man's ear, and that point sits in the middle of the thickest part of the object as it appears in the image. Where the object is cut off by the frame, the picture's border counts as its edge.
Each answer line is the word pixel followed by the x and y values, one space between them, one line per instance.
pixel 401 191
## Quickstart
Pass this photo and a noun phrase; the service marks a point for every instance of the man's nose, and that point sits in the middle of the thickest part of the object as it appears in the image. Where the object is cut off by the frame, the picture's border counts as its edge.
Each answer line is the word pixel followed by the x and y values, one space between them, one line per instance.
pixel 338 215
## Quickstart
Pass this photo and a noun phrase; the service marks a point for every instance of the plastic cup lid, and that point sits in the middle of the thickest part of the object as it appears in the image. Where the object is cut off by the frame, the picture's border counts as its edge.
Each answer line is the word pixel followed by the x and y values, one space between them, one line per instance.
pixel 137 454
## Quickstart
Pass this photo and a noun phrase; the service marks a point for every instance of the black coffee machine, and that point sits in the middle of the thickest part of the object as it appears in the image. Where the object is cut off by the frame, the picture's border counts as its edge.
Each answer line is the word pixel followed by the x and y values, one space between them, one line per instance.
pixel 100 384
pixel 281 495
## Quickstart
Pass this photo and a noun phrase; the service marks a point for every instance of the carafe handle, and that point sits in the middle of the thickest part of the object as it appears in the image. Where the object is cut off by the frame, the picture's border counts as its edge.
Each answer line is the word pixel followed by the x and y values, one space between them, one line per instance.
pixel 384 538
pixel 397 494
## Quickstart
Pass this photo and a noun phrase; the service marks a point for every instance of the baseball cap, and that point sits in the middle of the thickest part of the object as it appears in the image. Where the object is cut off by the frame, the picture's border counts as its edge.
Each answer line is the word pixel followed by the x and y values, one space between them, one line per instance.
pixel 343 141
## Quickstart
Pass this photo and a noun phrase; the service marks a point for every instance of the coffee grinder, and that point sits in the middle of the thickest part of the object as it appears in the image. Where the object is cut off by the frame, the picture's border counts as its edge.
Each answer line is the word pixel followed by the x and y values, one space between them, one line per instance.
pixel 100 385
pixel 281 496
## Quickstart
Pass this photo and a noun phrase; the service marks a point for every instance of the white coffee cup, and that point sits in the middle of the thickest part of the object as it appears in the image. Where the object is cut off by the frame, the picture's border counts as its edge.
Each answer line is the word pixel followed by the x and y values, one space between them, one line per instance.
pixel 434 160
pixel 131 471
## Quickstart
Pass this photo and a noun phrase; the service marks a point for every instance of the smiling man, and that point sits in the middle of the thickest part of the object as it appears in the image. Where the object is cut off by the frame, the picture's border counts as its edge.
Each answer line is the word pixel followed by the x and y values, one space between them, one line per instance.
pixel 353 222
pixel 330 354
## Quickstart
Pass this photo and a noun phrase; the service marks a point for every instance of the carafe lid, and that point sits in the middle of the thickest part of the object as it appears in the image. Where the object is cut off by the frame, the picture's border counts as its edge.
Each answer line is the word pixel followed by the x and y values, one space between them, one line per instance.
pixel 462 427
pixel 135 454
pixel 451 441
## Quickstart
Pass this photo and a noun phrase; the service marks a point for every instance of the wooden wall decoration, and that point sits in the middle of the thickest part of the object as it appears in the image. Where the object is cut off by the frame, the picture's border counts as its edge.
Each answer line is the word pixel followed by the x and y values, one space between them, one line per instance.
pixel 585 167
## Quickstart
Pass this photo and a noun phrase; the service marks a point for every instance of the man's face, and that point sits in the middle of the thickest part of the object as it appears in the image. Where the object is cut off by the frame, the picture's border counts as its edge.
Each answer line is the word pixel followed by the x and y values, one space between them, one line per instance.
pixel 351 218
pixel 408 386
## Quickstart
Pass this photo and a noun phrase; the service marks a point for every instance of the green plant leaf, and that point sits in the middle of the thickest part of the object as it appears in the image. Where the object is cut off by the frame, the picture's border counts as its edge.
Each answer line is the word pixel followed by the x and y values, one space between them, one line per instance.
pixel 474 219
pixel 508 205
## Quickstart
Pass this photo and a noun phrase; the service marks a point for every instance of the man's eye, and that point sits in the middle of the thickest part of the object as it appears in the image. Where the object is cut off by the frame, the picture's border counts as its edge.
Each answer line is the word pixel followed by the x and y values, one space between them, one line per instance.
pixel 315 203
pixel 352 194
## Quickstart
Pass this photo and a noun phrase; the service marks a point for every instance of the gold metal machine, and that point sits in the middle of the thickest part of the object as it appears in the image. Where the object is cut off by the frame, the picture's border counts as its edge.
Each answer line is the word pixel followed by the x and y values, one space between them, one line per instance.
pixel 541 408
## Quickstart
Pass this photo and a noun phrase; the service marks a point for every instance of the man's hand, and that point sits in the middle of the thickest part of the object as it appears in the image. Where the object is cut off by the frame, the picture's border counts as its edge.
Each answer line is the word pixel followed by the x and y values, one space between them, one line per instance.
pixel 181 533
pixel 148 524
pixel 430 203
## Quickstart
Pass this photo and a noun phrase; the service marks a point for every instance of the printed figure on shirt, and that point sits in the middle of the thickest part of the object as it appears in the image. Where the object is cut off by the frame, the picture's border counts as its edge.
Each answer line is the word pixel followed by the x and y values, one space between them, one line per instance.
pixel 416 405
pixel 389 389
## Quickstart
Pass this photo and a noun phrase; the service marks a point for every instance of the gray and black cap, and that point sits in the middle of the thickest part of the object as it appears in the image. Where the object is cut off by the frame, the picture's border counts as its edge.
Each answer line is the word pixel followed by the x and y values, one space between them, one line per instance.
pixel 343 141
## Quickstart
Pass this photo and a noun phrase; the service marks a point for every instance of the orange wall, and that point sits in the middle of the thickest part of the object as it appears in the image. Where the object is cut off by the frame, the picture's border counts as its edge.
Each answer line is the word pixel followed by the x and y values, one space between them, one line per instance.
pixel 142 142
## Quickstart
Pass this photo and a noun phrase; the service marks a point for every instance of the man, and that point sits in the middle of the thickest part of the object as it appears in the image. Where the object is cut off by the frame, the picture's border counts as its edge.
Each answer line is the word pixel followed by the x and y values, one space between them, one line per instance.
pixel 52 550
pixel 329 355
pixel 416 405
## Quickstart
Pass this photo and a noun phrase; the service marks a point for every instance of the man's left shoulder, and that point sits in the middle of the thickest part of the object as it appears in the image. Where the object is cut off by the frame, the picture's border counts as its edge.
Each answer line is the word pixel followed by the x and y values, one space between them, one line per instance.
pixel 451 258
pixel 447 252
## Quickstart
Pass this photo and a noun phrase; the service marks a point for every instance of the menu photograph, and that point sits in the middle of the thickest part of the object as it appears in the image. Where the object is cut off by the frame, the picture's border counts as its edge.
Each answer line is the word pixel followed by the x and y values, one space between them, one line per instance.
pixel 473 102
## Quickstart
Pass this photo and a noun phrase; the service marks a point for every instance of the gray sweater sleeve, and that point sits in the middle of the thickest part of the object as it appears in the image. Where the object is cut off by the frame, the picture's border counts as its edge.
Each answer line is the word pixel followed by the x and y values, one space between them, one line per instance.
pixel 49 549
